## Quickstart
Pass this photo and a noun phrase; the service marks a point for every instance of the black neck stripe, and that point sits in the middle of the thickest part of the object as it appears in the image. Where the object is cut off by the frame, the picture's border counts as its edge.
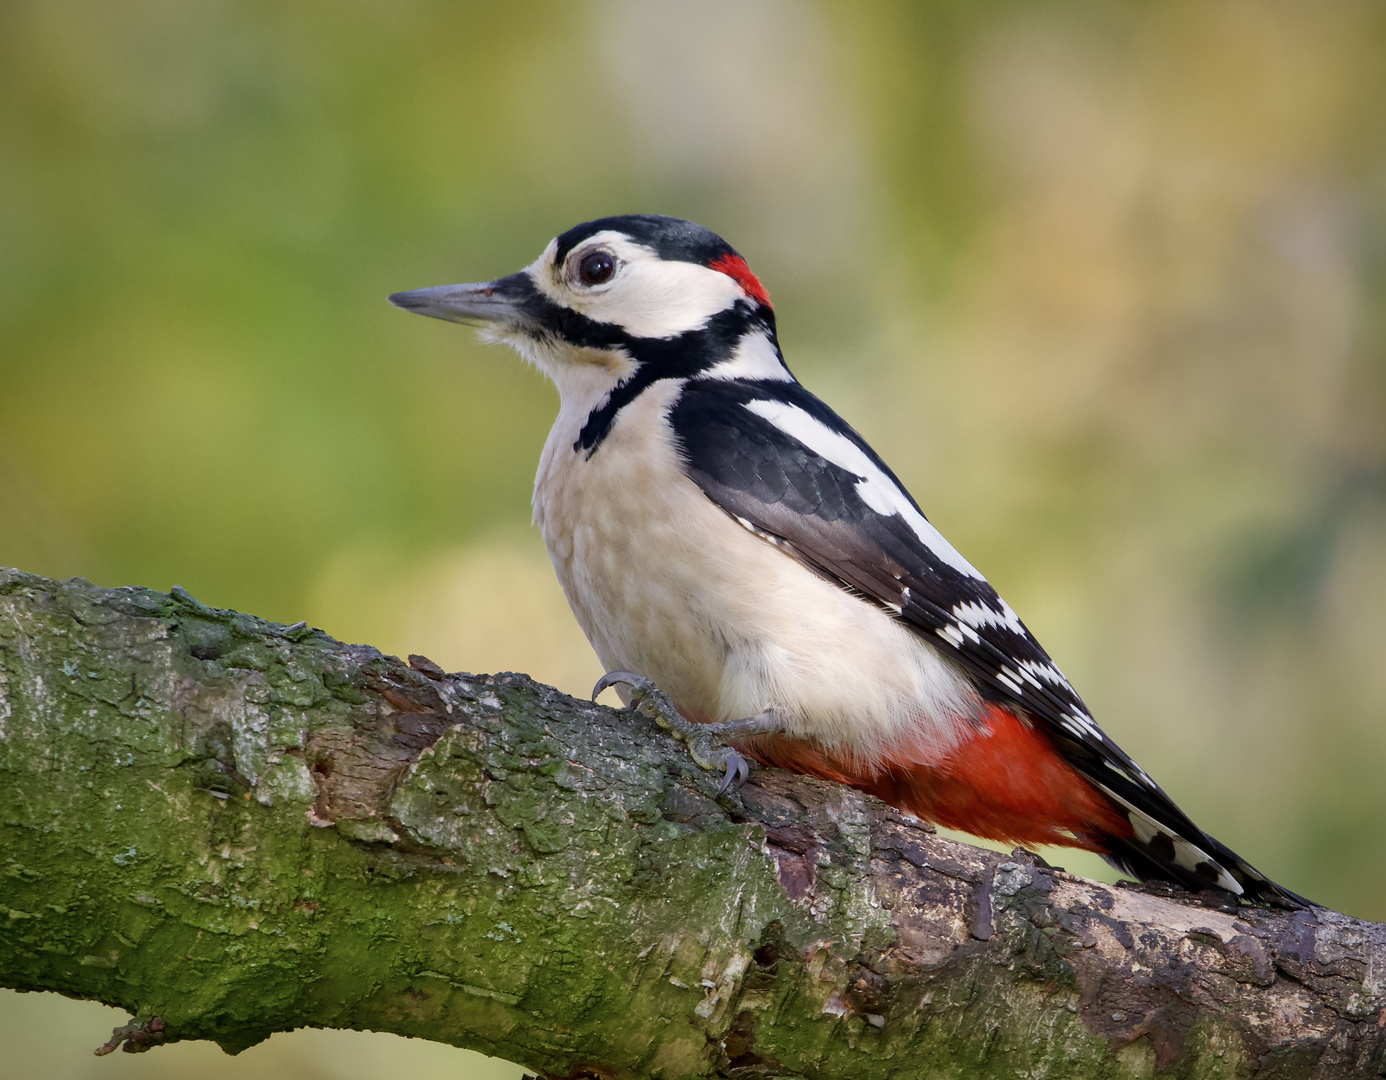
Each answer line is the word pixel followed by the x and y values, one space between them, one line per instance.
pixel 680 357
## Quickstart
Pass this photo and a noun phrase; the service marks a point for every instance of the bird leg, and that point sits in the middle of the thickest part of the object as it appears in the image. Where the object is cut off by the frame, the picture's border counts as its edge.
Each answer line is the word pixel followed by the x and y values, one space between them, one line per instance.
pixel 707 743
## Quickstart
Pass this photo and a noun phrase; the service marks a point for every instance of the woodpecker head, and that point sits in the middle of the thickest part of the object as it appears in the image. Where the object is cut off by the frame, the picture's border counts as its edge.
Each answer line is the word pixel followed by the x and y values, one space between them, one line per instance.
pixel 623 301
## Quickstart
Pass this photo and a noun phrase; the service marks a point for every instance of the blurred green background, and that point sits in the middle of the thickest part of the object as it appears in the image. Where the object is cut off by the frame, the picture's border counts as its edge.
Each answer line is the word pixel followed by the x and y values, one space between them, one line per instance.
pixel 1104 283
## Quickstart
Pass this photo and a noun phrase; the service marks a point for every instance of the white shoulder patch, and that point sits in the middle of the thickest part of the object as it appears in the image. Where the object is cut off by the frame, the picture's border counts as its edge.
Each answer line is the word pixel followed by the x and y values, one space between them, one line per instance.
pixel 873 486
pixel 754 358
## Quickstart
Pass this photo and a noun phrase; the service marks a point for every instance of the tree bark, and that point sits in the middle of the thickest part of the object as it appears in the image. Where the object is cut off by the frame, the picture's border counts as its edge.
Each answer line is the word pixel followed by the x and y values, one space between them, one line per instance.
pixel 231 827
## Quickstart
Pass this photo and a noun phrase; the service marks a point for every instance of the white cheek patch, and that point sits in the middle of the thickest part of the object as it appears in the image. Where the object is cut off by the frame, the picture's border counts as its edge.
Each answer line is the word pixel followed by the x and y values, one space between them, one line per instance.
pixel 648 297
pixel 873 486
pixel 657 299
pixel 755 359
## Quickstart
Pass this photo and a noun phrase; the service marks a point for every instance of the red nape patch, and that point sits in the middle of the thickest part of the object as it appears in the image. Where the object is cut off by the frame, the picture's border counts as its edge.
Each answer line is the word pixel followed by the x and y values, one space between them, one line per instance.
pixel 1007 783
pixel 734 266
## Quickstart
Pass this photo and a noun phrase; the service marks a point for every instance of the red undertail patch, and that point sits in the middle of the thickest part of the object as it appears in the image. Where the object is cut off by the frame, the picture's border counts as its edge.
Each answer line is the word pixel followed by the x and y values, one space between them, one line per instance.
pixel 734 266
pixel 1007 783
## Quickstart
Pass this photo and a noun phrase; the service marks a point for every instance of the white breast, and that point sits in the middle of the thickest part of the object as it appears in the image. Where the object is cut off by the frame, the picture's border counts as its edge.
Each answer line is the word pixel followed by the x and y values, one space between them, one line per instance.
pixel 666 584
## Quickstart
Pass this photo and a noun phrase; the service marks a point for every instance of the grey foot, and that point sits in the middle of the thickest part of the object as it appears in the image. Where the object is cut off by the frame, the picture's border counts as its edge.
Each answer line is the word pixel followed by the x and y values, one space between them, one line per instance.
pixel 707 743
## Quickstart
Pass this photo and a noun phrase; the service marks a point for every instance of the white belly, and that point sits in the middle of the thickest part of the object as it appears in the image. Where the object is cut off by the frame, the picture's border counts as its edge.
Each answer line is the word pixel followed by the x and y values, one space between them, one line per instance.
pixel 667 585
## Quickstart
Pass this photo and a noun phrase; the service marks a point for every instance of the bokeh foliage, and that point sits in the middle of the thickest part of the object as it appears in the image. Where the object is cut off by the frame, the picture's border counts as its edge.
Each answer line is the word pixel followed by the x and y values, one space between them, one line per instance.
pixel 1105 283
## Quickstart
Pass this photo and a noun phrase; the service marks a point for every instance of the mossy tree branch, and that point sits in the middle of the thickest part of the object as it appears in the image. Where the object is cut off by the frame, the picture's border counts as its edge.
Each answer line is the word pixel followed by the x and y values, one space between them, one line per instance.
pixel 237 828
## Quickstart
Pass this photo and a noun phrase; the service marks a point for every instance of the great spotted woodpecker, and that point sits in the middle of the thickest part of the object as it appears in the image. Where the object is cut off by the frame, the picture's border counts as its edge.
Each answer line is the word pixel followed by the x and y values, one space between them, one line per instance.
pixel 748 569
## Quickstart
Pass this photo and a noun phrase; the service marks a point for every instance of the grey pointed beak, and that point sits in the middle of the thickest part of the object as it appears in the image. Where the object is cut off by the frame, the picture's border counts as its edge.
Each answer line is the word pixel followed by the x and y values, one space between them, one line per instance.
pixel 500 301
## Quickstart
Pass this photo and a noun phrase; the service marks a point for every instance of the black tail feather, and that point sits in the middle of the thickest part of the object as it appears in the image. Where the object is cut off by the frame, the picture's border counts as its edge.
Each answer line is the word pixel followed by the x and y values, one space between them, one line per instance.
pixel 1138 859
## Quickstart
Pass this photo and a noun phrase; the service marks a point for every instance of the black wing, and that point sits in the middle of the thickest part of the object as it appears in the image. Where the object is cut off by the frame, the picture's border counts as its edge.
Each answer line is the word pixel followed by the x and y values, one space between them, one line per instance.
pixel 790 469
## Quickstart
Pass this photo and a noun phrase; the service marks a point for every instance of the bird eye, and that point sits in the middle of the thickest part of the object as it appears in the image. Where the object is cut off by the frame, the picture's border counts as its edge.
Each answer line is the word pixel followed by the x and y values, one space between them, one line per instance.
pixel 596 268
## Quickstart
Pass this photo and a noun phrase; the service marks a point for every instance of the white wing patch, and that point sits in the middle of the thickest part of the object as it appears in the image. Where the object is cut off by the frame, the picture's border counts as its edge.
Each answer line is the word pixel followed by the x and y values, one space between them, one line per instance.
pixel 1082 724
pixel 1007 678
pixel 873 486
pixel 978 615
pixel 755 358
pixel 1048 672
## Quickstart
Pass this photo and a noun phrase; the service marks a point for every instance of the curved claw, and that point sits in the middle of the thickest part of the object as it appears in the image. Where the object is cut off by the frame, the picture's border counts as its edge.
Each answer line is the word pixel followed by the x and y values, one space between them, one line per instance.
pixel 706 742
pixel 611 678
pixel 738 772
